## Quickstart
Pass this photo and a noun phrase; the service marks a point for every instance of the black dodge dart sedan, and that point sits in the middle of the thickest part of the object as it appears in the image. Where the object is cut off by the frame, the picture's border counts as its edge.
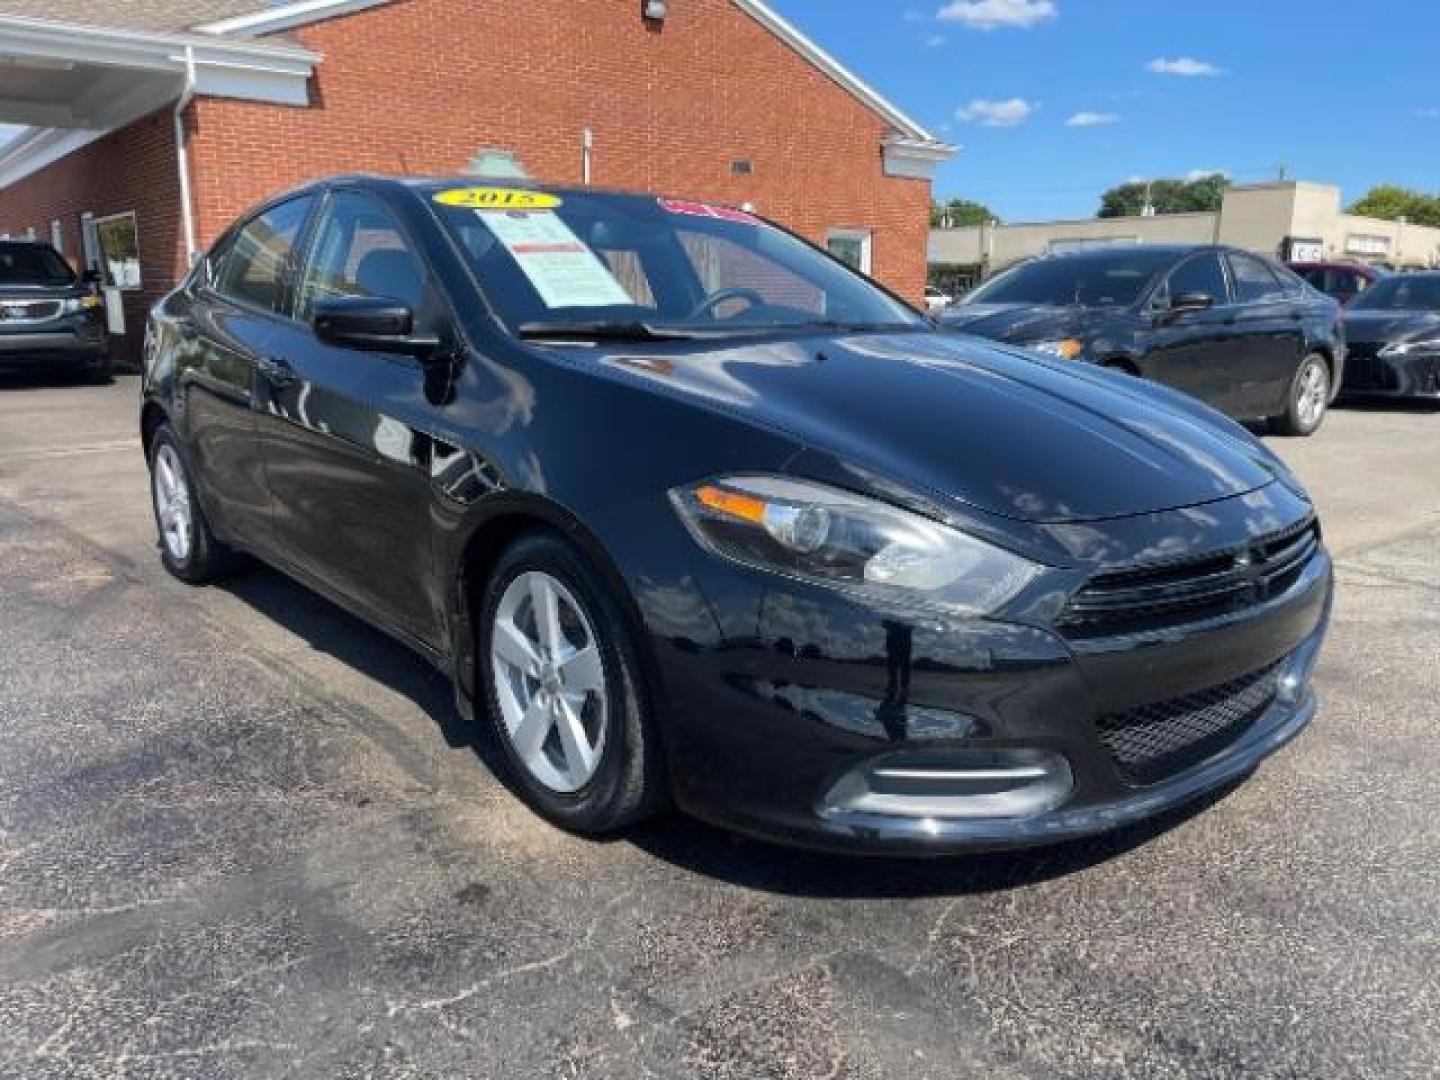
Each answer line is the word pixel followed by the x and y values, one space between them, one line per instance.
pixel 1239 332
pixel 1393 329
pixel 691 511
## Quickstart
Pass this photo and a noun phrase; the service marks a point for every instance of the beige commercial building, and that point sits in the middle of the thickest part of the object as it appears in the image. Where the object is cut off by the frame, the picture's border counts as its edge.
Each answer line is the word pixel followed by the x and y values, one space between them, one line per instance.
pixel 1289 219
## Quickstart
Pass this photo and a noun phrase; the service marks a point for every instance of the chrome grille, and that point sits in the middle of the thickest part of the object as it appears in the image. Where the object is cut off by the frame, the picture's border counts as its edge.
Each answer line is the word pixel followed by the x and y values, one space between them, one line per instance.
pixel 1161 594
pixel 1153 741
pixel 12 311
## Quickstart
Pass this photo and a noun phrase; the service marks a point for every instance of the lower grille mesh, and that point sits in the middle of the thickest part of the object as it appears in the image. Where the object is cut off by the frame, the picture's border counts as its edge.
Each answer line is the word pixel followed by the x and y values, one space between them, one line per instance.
pixel 1153 741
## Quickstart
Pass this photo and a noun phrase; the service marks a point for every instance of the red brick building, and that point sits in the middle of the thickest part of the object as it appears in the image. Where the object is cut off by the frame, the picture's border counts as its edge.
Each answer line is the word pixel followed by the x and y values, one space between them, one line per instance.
pixel 143 138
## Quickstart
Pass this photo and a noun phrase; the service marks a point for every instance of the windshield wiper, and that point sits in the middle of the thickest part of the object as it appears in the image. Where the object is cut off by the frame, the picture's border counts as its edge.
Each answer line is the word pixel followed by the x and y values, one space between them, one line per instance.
pixel 603 331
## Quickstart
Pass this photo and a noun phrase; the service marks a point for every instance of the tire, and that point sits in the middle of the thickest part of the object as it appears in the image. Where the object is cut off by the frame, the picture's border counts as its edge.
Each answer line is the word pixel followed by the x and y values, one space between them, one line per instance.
pixel 541 709
pixel 188 549
pixel 1307 399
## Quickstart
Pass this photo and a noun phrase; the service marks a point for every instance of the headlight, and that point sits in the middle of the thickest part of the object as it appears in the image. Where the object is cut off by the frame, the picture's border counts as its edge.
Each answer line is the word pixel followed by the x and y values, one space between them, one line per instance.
pixel 77 304
pixel 1405 348
pixel 830 537
pixel 1067 349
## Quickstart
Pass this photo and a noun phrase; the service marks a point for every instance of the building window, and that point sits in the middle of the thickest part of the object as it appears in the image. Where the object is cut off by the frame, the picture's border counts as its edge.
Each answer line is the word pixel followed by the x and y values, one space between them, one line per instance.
pixel 1367 244
pixel 850 246
pixel 119 242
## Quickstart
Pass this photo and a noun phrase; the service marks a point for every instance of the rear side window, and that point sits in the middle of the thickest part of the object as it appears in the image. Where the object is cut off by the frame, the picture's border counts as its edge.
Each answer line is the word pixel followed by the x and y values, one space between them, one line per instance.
pixel 1201 274
pixel 33 264
pixel 359 250
pixel 1254 280
pixel 255 268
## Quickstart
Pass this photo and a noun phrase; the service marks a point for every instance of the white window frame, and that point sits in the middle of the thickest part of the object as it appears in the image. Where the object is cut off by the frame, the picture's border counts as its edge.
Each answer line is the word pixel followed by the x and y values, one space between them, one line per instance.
pixel 865 236
pixel 95 224
pixel 57 235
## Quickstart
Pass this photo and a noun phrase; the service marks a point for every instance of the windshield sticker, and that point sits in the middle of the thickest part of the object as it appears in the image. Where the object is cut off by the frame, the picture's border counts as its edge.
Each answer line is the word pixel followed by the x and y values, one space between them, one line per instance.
pixel 563 270
pixel 493 198
pixel 696 209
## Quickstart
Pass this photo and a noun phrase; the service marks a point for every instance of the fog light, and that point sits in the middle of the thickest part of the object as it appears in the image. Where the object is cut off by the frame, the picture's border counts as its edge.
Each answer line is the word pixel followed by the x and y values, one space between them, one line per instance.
pixel 964 783
pixel 1295 674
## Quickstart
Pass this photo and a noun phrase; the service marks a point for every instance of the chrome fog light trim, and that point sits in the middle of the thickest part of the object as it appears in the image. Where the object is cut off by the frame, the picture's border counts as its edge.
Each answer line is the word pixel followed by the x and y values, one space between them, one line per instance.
pixel 965 783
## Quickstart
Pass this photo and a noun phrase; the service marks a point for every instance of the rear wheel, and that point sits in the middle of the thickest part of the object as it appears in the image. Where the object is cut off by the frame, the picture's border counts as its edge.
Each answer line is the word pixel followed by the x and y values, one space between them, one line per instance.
pixel 1309 398
pixel 563 688
pixel 188 548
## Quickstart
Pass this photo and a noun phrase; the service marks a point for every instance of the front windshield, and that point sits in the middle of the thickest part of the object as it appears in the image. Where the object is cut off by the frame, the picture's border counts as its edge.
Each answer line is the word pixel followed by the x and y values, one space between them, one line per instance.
pixel 1403 293
pixel 587 260
pixel 33 264
pixel 1112 279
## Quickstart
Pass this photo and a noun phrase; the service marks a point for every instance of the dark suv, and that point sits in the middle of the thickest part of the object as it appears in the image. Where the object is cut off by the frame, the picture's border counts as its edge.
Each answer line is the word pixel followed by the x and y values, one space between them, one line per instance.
pixel 1236 330
pixel 48 316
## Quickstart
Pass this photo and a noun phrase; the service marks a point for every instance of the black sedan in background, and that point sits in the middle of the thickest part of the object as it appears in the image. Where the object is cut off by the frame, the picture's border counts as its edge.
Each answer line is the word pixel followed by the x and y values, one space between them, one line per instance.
pixel 1237 331
pixel 49 317
pixel 690 510
pixel 1393 333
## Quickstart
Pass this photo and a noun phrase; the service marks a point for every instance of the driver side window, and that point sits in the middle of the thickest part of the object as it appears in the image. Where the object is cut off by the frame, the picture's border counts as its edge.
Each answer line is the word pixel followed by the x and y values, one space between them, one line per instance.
pixel 359 250
pixel 1199 274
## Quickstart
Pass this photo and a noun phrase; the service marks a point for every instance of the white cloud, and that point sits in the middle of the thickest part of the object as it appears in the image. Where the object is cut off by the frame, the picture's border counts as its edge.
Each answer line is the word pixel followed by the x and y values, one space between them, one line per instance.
pixel 932 41
pixel 1006 113
pixel 1091 119
pixel 1200 174
pixel 1182 65
pixel 990 14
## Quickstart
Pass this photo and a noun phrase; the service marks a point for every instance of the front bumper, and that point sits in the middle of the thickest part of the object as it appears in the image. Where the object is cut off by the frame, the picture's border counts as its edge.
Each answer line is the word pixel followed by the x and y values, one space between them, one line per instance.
pixel 1413 375
pixel 767 731
pixel 82 344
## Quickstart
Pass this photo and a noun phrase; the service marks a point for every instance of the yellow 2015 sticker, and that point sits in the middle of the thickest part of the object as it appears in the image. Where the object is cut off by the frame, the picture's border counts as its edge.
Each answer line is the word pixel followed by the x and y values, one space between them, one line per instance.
pixel 494 198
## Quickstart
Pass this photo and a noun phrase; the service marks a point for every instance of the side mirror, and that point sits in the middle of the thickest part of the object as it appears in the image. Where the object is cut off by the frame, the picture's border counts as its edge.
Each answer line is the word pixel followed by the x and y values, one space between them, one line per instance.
pixel 376 323
pixel 1191 301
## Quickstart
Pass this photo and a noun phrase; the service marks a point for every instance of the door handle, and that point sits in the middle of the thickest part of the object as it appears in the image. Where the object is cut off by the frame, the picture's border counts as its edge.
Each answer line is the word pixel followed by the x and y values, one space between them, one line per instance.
pixel 275 371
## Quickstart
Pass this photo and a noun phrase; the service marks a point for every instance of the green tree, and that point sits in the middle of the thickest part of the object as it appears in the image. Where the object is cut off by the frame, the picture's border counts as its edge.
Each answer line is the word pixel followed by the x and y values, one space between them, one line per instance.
pixel 1168 196
pixel 1390 201
pixel 960 213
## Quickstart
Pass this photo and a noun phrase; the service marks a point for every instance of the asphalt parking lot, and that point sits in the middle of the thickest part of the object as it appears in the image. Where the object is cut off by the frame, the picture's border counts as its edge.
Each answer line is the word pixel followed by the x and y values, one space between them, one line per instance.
pixel 243 835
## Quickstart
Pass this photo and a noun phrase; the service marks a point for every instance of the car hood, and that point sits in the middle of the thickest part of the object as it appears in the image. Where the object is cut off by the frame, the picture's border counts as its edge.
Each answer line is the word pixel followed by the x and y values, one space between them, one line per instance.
pixel 1015 323
pixel 995 429
pixel 1381 326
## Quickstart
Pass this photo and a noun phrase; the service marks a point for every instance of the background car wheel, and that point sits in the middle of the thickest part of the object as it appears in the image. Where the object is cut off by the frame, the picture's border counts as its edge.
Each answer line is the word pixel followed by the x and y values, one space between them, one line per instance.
pixel 188 548
pixel 564 690
pixel 1309 398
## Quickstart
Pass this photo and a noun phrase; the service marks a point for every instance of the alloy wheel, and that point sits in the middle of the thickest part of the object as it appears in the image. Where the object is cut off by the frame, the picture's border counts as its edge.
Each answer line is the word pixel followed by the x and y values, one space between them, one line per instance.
pixel 549 681
pixel 1313 394
pixel 172 503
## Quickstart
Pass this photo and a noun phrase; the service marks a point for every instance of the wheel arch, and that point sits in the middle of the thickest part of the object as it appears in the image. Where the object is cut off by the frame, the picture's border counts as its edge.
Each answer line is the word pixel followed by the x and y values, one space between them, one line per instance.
pixel 1122 362
pixel 152 416
pixel 486 537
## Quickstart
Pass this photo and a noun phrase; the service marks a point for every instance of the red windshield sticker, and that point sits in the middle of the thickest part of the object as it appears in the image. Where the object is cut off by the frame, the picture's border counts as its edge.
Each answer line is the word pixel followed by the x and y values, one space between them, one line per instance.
pixel 696 209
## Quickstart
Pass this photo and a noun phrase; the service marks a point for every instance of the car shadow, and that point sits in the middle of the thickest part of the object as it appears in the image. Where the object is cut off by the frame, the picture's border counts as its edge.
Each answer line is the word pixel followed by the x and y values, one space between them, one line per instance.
pixel 20 379
pixel 676 838
pixel 1390 405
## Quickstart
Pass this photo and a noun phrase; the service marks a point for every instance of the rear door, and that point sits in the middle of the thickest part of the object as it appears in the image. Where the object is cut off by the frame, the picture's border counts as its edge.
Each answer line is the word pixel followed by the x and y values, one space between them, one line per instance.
pixel 234 310
pixel 1195 351
pixel 347 434
pixel 1270 320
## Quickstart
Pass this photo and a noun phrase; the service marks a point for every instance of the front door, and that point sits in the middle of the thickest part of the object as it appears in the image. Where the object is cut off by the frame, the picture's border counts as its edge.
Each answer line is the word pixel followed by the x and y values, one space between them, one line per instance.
pixel 347 433
pixel 1196 351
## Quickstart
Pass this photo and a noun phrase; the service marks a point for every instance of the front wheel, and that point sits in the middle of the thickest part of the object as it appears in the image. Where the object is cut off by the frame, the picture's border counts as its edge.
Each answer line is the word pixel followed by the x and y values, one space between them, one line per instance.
pixel 564 690
pixel 1309 398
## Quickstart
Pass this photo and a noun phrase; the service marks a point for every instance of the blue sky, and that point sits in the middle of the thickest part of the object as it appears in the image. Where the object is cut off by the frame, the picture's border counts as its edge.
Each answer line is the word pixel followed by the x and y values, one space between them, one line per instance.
pixel 1337 92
